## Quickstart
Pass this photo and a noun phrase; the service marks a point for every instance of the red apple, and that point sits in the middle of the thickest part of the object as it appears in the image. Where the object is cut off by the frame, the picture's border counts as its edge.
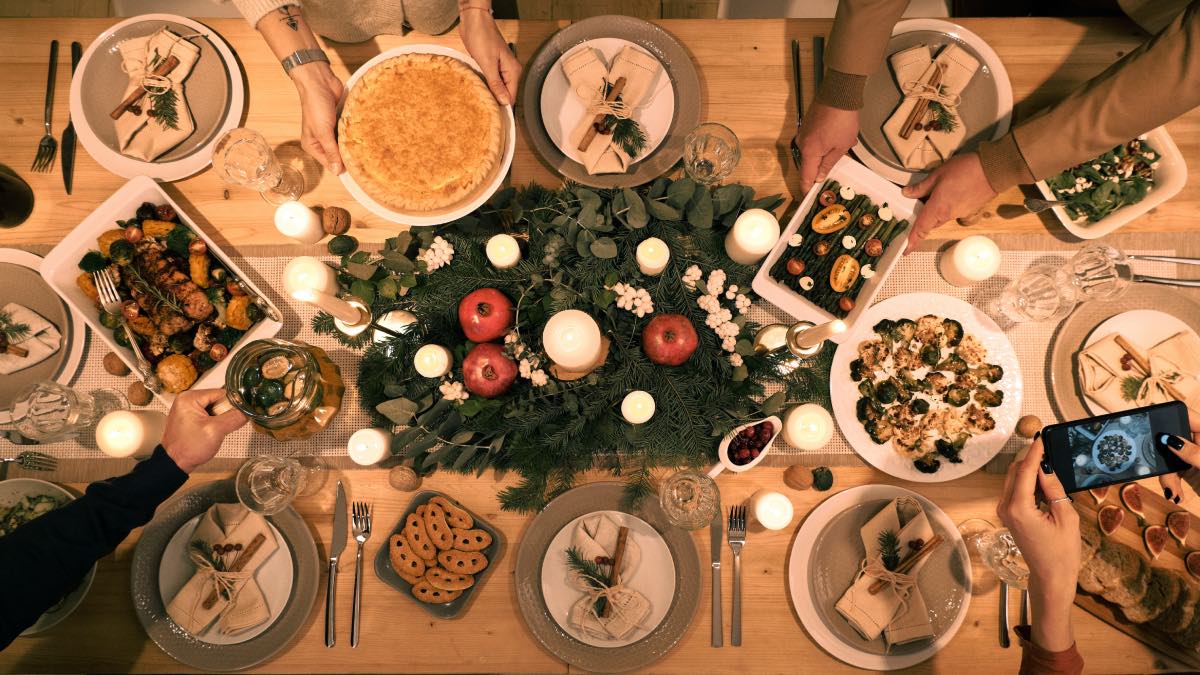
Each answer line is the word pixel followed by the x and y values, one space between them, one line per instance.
pixel 485 315
pixel 487 372
pixel 669 339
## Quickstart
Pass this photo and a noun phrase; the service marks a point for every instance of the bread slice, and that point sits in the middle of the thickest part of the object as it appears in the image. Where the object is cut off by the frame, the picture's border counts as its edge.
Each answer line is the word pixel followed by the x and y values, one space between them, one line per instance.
pixel 1119 572
pixel 1161 592
pixel 1090 540
pixel 1179 615
pixel 1189 637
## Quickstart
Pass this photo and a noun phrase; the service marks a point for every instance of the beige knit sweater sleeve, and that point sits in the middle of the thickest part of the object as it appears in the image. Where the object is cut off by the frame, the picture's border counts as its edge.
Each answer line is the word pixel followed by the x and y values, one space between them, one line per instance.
pixel 254 10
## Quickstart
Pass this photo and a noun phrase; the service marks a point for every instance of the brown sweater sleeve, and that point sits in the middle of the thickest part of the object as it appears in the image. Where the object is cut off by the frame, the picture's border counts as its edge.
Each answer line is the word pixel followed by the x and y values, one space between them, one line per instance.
pixel 1152 85
pixel 1038 661
pixel 860 33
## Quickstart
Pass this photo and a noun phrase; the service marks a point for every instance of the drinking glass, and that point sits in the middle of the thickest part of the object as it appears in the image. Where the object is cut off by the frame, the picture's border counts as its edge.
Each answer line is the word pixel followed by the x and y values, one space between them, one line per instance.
pixel 997 550
pixel 710 153
pixel 1041 293
pixel 267 484
pixel 47 411
pixel 243 157
pixel 1101 272
pixel 690 499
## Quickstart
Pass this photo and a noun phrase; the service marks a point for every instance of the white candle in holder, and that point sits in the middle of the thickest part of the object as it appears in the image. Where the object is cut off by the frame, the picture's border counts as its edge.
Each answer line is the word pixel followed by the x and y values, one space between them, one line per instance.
pixel 970 261
pixel 808 427
pixel 297 221
pixel 432 360
pixel 772 510
pixel 338 308
pixel 637 407
pixel 308 273
pixel 369 446
pixel 571 339
pixel 503 251
pixel 130 433
pixel 652 256
pixel 752 236
pixel 397 321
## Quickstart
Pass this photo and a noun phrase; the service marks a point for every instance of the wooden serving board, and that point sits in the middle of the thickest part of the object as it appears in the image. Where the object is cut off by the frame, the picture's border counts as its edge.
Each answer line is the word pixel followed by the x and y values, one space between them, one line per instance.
pixel 1156 508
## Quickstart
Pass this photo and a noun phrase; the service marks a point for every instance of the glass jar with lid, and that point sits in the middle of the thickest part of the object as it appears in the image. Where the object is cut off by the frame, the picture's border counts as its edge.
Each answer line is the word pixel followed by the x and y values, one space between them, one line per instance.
pixel 289 390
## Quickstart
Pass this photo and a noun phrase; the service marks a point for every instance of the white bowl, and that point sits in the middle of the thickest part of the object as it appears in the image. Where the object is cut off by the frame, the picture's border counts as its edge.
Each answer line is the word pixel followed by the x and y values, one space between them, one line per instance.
pixel 1169 179
pixel 499 172
pixel 61 267
pixel 880 191
pixel 723 448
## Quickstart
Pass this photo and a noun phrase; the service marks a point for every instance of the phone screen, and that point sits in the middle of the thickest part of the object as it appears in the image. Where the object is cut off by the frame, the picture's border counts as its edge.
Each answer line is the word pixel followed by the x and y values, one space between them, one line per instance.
pixel 1116 448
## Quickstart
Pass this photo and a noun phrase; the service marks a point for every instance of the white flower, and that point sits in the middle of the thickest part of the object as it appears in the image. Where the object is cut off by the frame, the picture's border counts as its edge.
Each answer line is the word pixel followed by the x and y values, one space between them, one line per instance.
pixel 729 343
pixel 538 378
pixel 728 329
pixel 1079 180
pixel 795 240
pixel 742 303
pixel 439 254
pixel 511 338
pixel 1096 167
pixel 691 275
pixel 735 360
pixel 525 368
pixel 453 391
pixel 1153 165
pixel 716 282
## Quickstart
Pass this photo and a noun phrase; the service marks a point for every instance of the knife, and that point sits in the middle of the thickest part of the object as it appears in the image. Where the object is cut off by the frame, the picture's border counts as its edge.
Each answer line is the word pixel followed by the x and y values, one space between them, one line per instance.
pixel 1004 614
pixel 68 137
pixel 819 59
pixel 799 97
pixel 337 543
pixel 716 541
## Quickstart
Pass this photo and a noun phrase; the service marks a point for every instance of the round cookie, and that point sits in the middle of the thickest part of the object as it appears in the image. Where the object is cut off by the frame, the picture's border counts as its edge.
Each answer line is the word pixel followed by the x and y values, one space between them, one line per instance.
pixel 455 515
pixel 448 581
pixel 418 538
pixel 424 592
pixel 471 540
pixel 437 527
pixel 408 565
pixel 463 562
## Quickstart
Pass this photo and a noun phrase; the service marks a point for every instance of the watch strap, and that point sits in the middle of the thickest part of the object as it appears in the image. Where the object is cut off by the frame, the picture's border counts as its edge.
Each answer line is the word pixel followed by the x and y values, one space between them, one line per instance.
pixel 303 56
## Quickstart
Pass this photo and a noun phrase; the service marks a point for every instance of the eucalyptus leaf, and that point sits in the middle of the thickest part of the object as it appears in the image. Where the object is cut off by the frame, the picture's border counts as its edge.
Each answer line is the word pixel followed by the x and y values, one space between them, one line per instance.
pixel 587 199
pixel 604 248
pixel 394 390
pixel 363 290
pixel 744 347
pixel 658 188
pixel 398 410
pixel 583 244
pixel 774 403
pixel 462 436
pixel 662 211
pixel 470 407
pixel 464 457
pixel 680 192
pixel 388 288
pixel 728 198
pixel 700 213
pixel 397 262
pixel 612 279
pixel 740 373
pixel 637 217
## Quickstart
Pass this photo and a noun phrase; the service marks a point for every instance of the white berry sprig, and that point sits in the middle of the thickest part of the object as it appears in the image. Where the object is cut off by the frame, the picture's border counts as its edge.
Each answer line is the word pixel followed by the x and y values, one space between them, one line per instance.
pixel 439 254
pixel 633 299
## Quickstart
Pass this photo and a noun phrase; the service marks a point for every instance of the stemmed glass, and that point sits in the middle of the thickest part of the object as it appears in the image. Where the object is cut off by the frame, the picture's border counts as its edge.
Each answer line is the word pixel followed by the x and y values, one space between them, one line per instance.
pixel 710 153
pixel 243 157
pixel 268 484
pixel 47 411
pixel 1041 293
pixel 1101 272
pixel 997 550
pixel 690 499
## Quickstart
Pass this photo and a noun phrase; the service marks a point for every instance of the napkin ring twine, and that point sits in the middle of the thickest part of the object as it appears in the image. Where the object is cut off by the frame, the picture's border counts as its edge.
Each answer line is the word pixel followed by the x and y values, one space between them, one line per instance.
pixel 898 583
pixel 610 595
pixel 226 583
pixel 918 89
pixel 597 105
pixel 160 84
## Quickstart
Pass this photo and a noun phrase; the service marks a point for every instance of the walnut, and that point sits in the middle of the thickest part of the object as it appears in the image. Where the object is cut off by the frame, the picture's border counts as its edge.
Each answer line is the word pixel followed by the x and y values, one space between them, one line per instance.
pixel 404 479
pixel 113 365
pixel 335 220
pixel 138 394
pixel 798 477
pixel 1028 425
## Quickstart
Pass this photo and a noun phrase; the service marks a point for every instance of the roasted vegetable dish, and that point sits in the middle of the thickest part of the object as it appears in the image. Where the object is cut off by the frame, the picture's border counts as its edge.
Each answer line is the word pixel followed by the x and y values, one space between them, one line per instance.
pixel 925 386
pixel 184 307
pixel 1120 177
pixel 26 509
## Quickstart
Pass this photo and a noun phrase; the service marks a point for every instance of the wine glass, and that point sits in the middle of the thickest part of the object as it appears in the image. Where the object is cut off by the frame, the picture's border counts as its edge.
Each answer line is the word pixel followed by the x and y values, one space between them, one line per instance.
pixel 1041 293
pixel 690 499
pixel 710 153
pixel 267 484
pixel 47 411
pixel 1101 272
pixel 243 157
pixel 998 551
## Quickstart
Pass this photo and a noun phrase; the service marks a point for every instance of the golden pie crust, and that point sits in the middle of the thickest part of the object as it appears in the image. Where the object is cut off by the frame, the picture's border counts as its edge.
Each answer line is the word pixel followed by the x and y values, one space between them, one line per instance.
pixel 420 132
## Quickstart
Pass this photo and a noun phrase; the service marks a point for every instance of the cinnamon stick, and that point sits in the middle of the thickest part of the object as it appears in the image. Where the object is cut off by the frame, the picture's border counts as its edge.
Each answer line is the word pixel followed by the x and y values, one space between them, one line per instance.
pixel 908 563
pixel 618 557
pixel 590 136
pixel 1144 364
pixel 922 105
pixel 159 71
pixel 237 566
pixel 17 351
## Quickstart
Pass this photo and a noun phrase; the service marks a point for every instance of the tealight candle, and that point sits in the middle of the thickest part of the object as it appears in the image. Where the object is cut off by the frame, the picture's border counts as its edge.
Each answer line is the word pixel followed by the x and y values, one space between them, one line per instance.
pixel 652 256
pixel 338 308
pixel 970 261
pixel 637 407
pixel 397 321
pixel 130 433
pixel 433 360
pixel 308 273
pixel 752 236
pixel 503 251
pixel 571 339
pixel 808 427
pixel 772 510
pixel 369 446
pixel 297 221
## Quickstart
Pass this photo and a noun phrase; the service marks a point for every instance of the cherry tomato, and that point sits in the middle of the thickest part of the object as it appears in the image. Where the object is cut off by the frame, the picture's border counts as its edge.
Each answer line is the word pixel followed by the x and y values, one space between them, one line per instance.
pixel 198 247
pixel 218 352
pixel 846 303
pixel 130 309
pixel 164 212
pixel 795 267
pixel 827 198
pixel 133 234
pixel 234 289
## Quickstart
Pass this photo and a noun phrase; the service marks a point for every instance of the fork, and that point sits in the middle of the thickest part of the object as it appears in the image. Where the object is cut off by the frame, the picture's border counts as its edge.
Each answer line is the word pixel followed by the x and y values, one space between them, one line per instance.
pixel 34 461
pixel 110 299
pixel 737 539
pixel 48 147
pixel 361 521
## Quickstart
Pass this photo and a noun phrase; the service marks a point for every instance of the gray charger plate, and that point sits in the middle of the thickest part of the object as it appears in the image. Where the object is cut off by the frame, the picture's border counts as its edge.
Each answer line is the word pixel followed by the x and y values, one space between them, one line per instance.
pixel 181 645
pixel 605 496
pixel 676 62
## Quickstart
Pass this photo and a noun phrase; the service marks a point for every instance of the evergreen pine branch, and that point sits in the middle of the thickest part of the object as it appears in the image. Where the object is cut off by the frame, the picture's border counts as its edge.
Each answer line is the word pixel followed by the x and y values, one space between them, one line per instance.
pixel 588 570
pixel 638 486
pixel 322 324
pixel 889 549
pixel 943 117
pixel 163 110
pixel 12 330
pixel 628 134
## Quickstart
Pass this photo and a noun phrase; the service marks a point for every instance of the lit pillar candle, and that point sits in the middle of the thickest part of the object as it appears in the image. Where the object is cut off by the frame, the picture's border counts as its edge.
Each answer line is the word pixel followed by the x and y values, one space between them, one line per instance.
pixel 297 221
pixel 772 510
pixel 808 427
pixel 752 236
pixel 308 273
pixel 571 339
pixel 503 251
pixel 432 360
pixel 970 261
pixel 815 335
pixel 397 321
pixel 130 433
pixel 637 407
pixel 652 256
pixel 338 308
pixel 369 446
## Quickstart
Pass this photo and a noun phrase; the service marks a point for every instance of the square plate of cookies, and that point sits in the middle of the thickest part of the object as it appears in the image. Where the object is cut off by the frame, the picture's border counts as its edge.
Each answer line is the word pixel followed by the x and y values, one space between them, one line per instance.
pixel 438 553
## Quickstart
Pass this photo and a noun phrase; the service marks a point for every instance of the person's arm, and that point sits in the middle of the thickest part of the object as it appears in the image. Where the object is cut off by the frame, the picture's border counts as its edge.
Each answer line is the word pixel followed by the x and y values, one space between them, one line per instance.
pixel 488 47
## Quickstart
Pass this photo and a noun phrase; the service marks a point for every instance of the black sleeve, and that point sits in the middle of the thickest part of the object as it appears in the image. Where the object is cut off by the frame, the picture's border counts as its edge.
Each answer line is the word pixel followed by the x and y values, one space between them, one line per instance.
pixel 45 559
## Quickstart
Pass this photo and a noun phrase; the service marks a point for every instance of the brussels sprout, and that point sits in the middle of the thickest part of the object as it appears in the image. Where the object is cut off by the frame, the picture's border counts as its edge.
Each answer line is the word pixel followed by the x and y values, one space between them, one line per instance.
pixel 204 361
pixel 953 363
pixel 912 384
pixel 927 464
pixel 219 274
pixel 121 252
pixel 881 430
pixel 989 398
pixel 866 388
pixel 111 321
pixel 822 478
pixel 952 451
pixel 958 396
pixel 989 371
pixel 146 210
pixel 216 294
pixel 254 313
pixel 866 409
pixel 180 343
pixel 179 239
pixel 884 327
pixel 919 405
pixel 343 244
pixel 860 371
pixel 886 392
pixel 903 395
pixel 121 337
pixel 904 330
pixel 92 262
pixel 930 355
pixel 952 332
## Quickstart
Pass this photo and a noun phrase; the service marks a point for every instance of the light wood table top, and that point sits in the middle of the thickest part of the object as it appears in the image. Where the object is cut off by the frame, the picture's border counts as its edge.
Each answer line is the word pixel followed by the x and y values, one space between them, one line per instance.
pixel 745 70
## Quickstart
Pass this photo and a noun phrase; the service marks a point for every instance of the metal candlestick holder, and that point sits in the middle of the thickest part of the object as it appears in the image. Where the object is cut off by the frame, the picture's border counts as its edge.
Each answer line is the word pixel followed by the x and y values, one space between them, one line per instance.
pixel 364 318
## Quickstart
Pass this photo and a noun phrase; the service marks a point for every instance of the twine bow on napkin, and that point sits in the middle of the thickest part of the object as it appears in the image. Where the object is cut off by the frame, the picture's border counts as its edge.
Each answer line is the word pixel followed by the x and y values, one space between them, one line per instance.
pixel 629 609
pixel 589 80
pixel 1118 379
pixel 41 341
pixel 161 120
pixel 925 130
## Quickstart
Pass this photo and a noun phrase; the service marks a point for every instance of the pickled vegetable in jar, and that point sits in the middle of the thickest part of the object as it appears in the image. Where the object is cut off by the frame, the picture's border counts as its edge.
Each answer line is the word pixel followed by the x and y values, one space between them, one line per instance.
pixel 289 390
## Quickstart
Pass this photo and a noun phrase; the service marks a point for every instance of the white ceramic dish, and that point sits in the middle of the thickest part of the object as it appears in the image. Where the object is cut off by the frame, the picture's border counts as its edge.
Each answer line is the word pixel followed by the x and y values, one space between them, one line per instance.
pixel 1169 178
pixel 801 563
pixel 1144 328
pixel 723 448
pixel 499 171
pixel 11 491
pixel 129 167
pixel 980 449
pixel 61 267
pixel 654 577
pixel 864 181
pixel 562 109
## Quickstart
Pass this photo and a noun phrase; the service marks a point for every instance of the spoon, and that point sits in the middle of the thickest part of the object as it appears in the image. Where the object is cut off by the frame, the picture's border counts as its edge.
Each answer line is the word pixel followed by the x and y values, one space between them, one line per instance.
pixel 1035 205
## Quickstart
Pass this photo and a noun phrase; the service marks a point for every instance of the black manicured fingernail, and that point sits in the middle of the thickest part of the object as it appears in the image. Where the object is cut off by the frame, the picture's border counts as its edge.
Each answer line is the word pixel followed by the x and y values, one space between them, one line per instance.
pixel 1178 498
pixel 1047 469
pixel 1037 435
pixel 1171 441
pixel 1167 492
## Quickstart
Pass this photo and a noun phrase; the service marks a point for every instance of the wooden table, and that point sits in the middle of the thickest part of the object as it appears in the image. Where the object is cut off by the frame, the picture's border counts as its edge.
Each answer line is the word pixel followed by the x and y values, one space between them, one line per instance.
pixel 745 71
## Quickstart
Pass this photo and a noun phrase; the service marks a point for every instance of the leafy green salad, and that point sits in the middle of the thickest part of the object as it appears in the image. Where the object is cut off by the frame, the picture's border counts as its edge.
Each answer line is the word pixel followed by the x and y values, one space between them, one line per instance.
pixel 26 509
pixel 1120 177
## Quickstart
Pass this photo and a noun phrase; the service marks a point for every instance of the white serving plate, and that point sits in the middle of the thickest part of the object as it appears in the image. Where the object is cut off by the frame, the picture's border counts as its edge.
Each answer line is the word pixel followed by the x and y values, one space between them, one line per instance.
pixel 1169 178
pixel 880 191
pixel 1144 328
pixel 61 266
pixel 499 172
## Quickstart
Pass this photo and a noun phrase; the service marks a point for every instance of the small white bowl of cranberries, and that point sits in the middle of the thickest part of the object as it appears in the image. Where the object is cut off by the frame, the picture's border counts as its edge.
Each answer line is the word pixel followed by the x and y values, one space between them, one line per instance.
pixel 747 445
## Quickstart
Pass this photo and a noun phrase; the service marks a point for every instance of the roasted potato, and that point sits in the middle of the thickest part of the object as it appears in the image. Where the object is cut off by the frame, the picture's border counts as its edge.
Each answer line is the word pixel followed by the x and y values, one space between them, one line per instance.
pixel 85 284
pixel 157 228
pixel 106 240
pixel 142 325
pixel 237 315
pixel 177 373
pixel 198 268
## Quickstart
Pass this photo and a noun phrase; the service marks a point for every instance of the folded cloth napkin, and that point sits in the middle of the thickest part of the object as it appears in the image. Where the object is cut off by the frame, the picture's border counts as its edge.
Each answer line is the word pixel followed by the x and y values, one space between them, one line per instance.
pixel 138 134
pixel 597 536
pixel 240 603
pixel 1174 361
pixel 898 611
pixel 42 340
pixel 587 75
pixel 914 68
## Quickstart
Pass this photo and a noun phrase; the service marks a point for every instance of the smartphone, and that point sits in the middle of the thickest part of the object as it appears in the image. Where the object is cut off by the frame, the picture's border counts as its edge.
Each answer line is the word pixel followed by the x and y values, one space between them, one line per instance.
pixel 1116 448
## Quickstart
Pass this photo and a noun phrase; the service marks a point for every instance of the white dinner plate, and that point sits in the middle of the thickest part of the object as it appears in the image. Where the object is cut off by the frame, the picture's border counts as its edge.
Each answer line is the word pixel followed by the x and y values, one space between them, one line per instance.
pixel 1144 328
pixel 654 577
pixel 980 449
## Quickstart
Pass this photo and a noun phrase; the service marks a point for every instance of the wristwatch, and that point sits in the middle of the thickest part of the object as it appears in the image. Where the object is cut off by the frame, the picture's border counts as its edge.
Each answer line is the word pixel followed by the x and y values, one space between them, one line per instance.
pixel 303 56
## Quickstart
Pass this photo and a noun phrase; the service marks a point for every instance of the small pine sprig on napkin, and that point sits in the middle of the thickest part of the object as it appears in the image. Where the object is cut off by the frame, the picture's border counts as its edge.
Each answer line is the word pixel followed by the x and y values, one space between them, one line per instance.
pixel 12 330
pixel 889 549
pixel 162 109
pixel 1130 387
pixel 590 572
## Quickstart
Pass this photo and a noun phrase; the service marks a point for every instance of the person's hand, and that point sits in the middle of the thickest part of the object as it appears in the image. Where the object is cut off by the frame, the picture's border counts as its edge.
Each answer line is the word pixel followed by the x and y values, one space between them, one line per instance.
pixel 956 189
pixel 1187 449
pixel 823 137
pixel 192 436
pixel 1049 541
pixel 486 45
pixel 320 92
